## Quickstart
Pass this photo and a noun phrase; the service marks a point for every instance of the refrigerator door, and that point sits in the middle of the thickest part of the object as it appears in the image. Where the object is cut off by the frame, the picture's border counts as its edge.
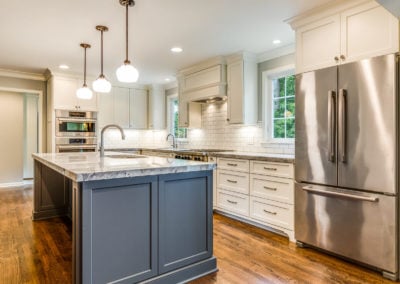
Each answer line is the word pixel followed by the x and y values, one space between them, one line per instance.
pixel 315 142
pixel 367 124
pixel 356 225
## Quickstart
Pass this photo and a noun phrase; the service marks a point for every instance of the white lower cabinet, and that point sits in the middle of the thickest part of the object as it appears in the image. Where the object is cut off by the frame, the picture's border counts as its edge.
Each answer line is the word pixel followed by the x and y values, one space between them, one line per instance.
pixel 258 192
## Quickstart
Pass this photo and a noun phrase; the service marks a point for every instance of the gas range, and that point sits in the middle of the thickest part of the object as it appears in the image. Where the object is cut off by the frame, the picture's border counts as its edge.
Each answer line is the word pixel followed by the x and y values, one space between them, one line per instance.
pixel 196 154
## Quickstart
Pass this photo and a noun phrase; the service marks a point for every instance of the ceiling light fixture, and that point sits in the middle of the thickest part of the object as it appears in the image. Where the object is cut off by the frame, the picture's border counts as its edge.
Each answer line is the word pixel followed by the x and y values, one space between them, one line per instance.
pixel 126 72
pixel 84 92
pixel 176 49
pixel 276 41
pixel 63 66
pixel 102 85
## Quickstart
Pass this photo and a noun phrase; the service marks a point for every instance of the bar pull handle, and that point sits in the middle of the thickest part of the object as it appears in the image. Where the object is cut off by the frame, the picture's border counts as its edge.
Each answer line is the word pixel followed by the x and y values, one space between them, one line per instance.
pixel 232 165
pixel 270 188
pixel 232 202
pixel 341 194
pixel 332 125
pixel 270 169
pixel 231 181
pixel 343 124
pixel 269 212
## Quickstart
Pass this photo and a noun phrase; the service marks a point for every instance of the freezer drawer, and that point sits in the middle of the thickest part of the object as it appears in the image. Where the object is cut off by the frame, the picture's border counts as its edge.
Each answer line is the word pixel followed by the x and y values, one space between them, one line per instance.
pixel 359 226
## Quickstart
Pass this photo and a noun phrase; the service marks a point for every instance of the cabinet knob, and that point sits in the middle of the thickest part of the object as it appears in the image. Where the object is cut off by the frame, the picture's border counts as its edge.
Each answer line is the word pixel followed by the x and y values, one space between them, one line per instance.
pixel 336 58
pixel 227 119
pixel 342 57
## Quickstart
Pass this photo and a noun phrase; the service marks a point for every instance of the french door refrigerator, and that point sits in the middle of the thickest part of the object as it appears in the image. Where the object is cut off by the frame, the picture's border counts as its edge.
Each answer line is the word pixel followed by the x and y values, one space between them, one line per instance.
pixel 346 165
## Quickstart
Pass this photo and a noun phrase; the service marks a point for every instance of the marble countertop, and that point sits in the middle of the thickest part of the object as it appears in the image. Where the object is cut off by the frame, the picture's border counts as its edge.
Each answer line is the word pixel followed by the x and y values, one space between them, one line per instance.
pixel 90 166
pixel 267 157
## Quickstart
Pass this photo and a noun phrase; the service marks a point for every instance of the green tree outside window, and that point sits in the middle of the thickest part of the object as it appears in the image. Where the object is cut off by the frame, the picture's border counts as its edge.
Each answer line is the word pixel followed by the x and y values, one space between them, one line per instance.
pixel 283 90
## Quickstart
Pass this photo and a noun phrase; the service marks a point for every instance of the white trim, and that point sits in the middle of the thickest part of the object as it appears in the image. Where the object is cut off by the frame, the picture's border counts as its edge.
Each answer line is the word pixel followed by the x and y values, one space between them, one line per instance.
pixel 267 101
pixel 22 75
pixel 16 184
pixel 276 52
pixel 171 85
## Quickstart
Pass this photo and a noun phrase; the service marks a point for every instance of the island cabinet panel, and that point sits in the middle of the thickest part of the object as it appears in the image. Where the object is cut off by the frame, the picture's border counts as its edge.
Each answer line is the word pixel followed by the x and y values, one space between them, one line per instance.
pixel 185 219
pixel 119 230
pixel 51 197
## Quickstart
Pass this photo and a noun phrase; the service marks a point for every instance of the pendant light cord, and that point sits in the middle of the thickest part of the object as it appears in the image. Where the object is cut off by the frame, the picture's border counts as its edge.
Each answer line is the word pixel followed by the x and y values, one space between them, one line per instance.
pixel 126 32
pixel 101 49
pixel 84 69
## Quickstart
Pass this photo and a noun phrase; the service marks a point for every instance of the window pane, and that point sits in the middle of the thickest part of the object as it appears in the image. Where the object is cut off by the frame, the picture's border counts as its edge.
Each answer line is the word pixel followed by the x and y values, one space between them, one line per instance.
pixel 279 108
pixel 290 128
pixel 290 110
pixel 279 128
pixel 281 86
pixel 290 85
pixel 275 88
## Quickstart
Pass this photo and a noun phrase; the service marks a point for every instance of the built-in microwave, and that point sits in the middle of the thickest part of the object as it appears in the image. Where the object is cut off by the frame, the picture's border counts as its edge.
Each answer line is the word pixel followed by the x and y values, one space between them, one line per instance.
pixel 75 123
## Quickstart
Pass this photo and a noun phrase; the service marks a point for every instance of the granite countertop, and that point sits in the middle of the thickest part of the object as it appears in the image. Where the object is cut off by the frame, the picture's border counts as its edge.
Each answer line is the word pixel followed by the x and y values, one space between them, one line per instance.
pixel 267 157
pixel 90 166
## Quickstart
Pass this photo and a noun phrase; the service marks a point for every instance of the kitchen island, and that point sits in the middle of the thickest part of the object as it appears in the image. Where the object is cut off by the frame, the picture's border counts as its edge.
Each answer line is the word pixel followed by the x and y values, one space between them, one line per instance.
pixel 134 218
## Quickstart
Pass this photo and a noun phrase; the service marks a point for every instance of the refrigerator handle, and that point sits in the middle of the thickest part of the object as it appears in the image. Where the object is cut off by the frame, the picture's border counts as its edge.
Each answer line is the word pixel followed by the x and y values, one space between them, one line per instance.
pixel 332 125
pixel 363 197
pixel 343 125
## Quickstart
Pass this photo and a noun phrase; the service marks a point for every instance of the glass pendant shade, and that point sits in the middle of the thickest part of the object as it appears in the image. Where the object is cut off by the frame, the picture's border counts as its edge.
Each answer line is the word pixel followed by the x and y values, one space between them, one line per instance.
pixel 84 93
pixel 127 73
pixel 102 85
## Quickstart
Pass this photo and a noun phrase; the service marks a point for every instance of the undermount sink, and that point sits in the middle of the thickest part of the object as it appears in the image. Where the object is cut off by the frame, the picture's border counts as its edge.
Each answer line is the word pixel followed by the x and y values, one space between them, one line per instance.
pixel 125 156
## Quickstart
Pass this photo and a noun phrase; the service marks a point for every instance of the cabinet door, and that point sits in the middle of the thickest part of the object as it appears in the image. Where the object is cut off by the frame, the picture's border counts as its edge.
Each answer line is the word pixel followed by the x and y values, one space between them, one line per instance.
pixel 157 108
pixel 64 93
pixel 121 106
pixel 367 31
pixel 138 100
pixel 106 109
pixel 317 44
pixel 235 92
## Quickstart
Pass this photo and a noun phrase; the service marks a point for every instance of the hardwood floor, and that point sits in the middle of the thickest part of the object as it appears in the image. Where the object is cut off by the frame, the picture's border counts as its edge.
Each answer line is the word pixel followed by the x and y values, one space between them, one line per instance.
pixel 40 252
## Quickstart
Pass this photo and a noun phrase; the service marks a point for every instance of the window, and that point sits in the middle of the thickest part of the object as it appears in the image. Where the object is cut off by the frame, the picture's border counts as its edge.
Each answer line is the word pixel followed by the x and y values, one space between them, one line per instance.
pixel 279 106
pixel 173 116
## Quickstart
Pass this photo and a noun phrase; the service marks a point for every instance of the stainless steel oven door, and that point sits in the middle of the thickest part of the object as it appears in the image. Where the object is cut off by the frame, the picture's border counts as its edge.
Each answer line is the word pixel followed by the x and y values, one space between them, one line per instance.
pixel 75 148
pixel 75 127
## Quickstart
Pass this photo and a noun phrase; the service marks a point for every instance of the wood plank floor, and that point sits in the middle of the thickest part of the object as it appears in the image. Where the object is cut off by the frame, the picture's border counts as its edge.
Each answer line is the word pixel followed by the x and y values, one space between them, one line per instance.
pixel 40 252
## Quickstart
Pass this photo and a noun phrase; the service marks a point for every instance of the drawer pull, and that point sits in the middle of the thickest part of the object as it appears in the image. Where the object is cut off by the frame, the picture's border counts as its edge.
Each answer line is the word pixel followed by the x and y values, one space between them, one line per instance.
pixel 270 169
pixel 230 201
pixel 270 188
pixel 269 212
pixel 231 181
pixel 233 165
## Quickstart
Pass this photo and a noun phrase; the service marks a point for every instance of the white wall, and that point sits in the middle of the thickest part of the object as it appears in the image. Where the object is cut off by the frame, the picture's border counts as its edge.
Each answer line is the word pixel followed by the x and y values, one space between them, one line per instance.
pixel 11 142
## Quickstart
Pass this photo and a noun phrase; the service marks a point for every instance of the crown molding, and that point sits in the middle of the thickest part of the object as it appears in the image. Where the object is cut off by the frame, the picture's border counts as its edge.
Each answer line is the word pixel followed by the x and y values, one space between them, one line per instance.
pixel 276 52
pixel 22 75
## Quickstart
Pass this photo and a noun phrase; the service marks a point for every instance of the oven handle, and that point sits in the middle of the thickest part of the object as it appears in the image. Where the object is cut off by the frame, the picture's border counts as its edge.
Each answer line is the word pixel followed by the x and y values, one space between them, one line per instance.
pixel 76 146
pixel 340 194
pixel 82 120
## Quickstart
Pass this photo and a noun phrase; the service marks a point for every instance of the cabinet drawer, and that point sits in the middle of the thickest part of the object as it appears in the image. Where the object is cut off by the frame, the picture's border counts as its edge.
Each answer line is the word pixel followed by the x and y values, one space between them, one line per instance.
pixel 284 170
pixel 233 164
pixel 275 188
pixel 234 181
pixel 271 212
pixel 233 202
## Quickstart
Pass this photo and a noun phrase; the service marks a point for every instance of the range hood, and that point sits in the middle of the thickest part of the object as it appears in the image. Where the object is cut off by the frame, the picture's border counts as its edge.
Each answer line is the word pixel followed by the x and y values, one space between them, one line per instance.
pixel 204 83
pixel 393 6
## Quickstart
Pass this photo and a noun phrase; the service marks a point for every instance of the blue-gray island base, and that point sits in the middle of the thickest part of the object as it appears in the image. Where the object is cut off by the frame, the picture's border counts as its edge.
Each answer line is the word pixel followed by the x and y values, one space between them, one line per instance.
pixel 137 229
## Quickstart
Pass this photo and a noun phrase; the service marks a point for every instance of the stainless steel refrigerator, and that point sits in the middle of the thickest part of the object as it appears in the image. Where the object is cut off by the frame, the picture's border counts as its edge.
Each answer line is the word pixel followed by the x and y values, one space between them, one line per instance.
pixel 346 164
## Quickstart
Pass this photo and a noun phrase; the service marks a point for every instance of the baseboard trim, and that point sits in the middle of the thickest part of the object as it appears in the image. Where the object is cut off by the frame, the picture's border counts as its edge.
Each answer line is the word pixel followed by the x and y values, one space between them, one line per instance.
pixel 8 185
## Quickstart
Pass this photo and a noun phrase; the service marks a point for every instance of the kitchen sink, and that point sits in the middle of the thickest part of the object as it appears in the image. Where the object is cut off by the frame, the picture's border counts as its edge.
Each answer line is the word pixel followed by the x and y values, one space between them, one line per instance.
pixel 125 156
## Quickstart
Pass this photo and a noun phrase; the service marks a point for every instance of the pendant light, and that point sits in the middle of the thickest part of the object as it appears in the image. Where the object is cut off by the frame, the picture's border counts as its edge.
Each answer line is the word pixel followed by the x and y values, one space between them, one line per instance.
pixel 84 93
pixel 102 85
pixel 126 72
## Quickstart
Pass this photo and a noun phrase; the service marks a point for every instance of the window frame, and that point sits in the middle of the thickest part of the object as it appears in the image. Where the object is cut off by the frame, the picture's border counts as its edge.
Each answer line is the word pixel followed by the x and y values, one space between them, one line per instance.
pixel 170 125
pixel 267 102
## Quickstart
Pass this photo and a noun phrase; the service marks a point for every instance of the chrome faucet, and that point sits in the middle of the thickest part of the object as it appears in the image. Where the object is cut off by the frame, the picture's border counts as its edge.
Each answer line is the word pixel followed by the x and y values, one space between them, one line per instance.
pixel 102 136
pixel 174 145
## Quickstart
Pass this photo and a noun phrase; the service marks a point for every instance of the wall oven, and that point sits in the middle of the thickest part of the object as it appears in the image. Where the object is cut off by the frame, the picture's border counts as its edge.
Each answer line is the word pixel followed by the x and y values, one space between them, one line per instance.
pixel 76 131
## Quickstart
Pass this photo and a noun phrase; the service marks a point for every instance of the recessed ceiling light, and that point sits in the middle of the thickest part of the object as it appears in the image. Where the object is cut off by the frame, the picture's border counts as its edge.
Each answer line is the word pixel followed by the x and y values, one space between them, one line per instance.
pixel 176 49
pixel 167 79
pixel 276 41
pixel 63 66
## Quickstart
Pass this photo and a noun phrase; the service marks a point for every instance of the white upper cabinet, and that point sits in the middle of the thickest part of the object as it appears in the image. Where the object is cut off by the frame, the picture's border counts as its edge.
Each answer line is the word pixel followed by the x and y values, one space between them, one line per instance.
pixel 62 91
pixel 352 31
pixel 157 115
pixel 189 112
pixel 138 100
pixel 242 89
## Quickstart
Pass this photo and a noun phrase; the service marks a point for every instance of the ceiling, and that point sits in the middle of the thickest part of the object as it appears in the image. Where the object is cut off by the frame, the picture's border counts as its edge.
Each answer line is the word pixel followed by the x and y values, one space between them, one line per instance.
pixel 36 35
